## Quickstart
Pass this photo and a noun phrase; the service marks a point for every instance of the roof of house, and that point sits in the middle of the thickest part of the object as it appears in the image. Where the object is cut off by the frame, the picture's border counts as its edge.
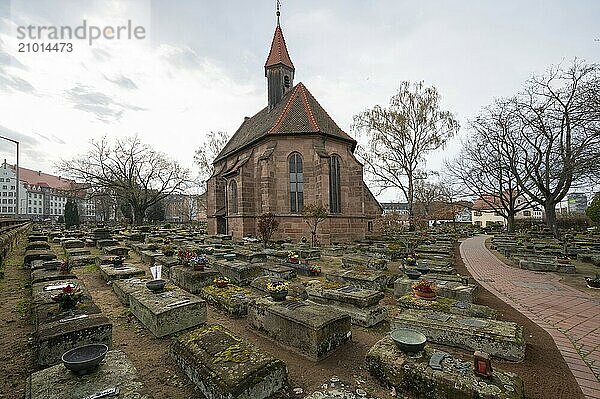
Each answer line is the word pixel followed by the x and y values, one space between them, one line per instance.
pixel 38 178
pixel 279 53
pixel 481 205
pixel 298 112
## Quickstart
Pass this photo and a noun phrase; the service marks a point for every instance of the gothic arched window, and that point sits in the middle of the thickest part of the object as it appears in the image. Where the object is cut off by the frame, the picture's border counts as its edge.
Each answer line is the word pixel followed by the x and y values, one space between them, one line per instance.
pixel 296 183
pixel 335 191
pixel 233 197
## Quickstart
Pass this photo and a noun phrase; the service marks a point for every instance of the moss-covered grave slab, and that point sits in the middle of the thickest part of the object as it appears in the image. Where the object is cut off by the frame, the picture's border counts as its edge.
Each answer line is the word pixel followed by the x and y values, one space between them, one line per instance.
pixel 359 261
pixel 447 305
pixel 41 275
pixel 167 312
pixel 250 256
pixel 106 242
pixel 368 279
pixel 124 271
pixel 124 288
pixel 82 260
pixel 241 273
pixel 72 252
pixel 115 371
pixel 72 243
pixel 233 300
pixel 278 271
pixel 43 292
pixel 193 280
pixel 413 376
pixel 312 329
pixel 38 254
pixel 498 338
pixel 361 304
pixel 37 237
pixel 149 256
pixel 444 287
pixel 116 251
pixel 64 332
pixel 224 366
pixel 40 245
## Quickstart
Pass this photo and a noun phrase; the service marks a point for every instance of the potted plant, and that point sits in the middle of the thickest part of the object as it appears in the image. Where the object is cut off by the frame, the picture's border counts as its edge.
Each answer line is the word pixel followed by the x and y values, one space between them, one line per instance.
pixel 68 298
pixel 277 289
pixel 424 289
pixel 199 262
pixel 209 250
pixel 64 267
pixel 117 260
pixel 185 256
pixel 293 257
pixel 221 282
pixel 410 260
pixel 314 270
pixel 168 250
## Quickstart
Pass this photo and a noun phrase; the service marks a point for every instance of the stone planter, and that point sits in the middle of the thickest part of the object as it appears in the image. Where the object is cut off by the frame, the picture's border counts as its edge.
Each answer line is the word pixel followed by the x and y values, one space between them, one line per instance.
pixel 221 284
pixel 425 295
pixel 278 296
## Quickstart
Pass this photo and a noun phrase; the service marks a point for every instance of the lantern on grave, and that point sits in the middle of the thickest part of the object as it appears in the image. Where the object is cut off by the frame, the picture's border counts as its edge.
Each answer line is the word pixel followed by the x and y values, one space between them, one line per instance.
pixel 482 364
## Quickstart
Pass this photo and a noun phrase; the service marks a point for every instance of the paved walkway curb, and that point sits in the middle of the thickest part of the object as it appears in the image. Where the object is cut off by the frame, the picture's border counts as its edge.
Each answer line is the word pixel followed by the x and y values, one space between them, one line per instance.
pixel 570 316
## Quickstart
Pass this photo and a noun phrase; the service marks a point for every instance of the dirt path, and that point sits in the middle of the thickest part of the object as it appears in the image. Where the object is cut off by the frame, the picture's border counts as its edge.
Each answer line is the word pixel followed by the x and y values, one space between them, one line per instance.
pixel 16 353
pixel 544 370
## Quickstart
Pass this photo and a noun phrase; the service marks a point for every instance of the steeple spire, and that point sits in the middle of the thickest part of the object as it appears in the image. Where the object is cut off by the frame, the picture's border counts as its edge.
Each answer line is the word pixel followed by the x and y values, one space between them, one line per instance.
pixel 279 69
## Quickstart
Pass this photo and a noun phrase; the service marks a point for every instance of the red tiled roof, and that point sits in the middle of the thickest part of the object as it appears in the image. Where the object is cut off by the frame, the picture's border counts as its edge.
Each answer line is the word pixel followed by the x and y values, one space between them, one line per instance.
pixel 41 179
pixel 279 53
pixel 298 112
pixel 481 205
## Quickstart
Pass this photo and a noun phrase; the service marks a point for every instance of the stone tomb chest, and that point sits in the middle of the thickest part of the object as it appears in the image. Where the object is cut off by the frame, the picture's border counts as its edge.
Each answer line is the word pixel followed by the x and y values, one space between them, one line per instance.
pixel 124 271
pixel 361 304
pixel 192 280
pixel 241 273
pixel 313 330
pixel 167 312
pixel 115 371
pixel 124 288
pixel 224 366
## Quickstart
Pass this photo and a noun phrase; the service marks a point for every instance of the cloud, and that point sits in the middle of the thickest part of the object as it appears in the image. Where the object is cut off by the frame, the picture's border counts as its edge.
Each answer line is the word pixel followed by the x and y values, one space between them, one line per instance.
pixel 122 81
pixel 9 83
pixel 181 57
pixel 102 106
pixel 101 55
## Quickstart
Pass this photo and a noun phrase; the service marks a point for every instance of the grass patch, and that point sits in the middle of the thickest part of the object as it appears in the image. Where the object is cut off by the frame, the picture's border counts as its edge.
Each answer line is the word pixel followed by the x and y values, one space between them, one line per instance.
pixel 92 267
pixel 22 307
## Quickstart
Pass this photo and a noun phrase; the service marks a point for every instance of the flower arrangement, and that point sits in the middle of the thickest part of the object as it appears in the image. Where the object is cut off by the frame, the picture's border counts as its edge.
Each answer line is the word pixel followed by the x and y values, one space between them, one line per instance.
pixel 199 262
pixel 424 289
pixel 68 298
pixel 314 269
pixel 221 281
pixel 293 257
pixel 209 250
pixel 185 256
pixel 116 260
pixel 277 286
pixel 64 267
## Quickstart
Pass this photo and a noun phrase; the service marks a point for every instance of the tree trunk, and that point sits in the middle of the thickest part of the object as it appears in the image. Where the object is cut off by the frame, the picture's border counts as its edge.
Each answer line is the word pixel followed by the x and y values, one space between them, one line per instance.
pixel 550 209
pixel 510 222
pixel 138 216
pixel 409 199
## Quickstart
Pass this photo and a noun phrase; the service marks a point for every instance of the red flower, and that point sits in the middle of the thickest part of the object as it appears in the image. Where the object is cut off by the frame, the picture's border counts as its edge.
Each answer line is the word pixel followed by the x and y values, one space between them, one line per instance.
pixel 68 289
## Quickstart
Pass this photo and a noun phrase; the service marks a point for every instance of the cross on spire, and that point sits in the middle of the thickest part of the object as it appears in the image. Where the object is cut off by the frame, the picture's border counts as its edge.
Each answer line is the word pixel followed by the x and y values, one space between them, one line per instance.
pixel 278 13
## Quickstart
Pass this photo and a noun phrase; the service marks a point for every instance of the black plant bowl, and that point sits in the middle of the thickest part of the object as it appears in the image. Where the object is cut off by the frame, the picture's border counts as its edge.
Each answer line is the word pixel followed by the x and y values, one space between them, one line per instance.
pixel 156 285
pixel 412 274
pixel 84 359
pixel 422 269
pixel 408 340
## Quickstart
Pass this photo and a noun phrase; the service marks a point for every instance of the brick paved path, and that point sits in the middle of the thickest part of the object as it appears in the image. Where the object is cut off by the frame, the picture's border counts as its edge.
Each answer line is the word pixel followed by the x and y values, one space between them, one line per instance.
pixel 570 316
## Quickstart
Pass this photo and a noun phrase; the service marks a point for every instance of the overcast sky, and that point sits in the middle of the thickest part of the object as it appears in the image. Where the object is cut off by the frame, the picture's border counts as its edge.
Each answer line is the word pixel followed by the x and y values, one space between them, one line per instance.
pixel 200 67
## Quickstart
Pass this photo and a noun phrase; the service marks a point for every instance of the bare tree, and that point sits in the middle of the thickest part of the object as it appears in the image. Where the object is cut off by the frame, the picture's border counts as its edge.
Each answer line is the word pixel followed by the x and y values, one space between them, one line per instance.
pixel 558 143
pixel 314 214
pixel 134 172
pixel 483 166
pixel 426 194
pixel 401 135
pixel 207 152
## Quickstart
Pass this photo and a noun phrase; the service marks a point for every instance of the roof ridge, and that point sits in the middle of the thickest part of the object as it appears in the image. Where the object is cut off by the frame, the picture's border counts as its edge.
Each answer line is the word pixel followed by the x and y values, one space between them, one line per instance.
pixel 308 108
pixel 286 109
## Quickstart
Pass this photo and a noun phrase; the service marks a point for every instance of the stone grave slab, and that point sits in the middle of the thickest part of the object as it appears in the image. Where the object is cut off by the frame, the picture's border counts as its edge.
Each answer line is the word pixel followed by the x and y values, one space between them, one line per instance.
pixel 498 338
pixel 233 300
pixel 250 256
pixel 42 293
pixel 193 280
pixel 41 264
pixel 300 268
pixel 546 266
pixel 313 330
pixel 241 273
pixel 106 242
pixel 447 305
pixel 116 251
pixel 115 371
pixel 295 289
pixel 72 243
pixel 167 262
pixel 361 304
pixel 56 337
pixel 452 377
pixel 41 275
pixel 149 256
pixel 167 312
pixel 223 366
pixel 40 245
pixel 124 288
pixel 37 237
pixel 368 279
pixel 355 261
pixel 71 252
pixel 279 271
pixel 309 253
pixel 124 271
pixel 49 313
pixel 82 260
pixel 448 289
pixel 38 254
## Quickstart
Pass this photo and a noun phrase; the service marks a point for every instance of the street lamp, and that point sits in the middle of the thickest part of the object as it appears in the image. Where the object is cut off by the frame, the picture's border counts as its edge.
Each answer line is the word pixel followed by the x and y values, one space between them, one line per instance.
pixel 16 185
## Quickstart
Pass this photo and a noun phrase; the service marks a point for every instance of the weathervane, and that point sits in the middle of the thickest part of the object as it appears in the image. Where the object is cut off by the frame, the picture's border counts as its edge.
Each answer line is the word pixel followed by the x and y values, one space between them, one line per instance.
pixel 278 12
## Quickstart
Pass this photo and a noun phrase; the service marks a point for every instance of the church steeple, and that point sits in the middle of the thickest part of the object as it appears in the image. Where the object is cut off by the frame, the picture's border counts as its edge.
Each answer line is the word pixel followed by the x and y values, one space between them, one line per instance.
pixel 279 69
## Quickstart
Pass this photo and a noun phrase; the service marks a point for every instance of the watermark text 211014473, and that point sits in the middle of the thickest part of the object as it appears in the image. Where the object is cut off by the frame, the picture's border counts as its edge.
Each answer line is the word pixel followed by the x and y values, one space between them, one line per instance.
pixel 85 31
